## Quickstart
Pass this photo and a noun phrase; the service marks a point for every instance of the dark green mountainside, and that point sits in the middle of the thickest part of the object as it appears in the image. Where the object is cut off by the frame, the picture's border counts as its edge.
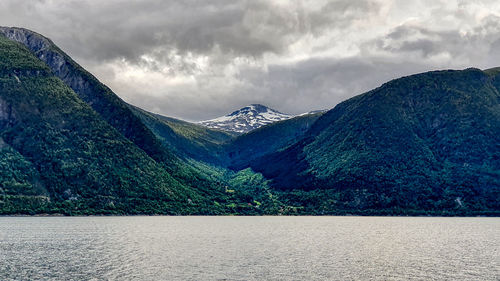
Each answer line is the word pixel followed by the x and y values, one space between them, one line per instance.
pixel 427 144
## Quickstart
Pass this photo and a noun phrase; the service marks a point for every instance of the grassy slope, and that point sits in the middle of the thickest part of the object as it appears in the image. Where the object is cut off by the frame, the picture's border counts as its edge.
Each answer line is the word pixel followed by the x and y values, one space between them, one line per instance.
pixel 186 139
pixel 427 142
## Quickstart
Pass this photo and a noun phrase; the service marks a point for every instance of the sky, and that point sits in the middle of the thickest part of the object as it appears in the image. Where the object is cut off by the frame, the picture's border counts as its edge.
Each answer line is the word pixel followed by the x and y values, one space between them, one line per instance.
pixel 200 59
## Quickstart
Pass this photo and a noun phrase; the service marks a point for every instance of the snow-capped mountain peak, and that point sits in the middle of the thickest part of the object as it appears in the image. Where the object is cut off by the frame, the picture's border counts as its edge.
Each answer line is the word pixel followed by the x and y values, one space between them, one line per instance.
pixel 246 119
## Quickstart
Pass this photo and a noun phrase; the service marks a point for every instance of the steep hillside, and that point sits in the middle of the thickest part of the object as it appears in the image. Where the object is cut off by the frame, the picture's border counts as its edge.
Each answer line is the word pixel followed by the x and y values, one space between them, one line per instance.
pixel 424 142
pixel 111 108
pixel 246 119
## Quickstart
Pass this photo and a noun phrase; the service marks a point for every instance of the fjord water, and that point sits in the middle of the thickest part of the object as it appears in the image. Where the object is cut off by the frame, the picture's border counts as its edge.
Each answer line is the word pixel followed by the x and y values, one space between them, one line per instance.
pixel 249 248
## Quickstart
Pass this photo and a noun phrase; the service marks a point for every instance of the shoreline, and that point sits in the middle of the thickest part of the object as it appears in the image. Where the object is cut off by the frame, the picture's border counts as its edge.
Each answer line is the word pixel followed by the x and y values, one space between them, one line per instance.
pixel 162 215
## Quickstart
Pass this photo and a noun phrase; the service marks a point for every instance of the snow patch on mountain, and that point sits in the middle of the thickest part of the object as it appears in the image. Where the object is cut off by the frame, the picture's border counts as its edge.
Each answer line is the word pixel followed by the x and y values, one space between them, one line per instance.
pixel 246 119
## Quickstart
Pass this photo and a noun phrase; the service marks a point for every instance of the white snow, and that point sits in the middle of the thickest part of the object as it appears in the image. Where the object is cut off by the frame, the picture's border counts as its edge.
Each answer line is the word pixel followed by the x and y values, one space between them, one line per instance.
pixel 246 119
pixel 249 118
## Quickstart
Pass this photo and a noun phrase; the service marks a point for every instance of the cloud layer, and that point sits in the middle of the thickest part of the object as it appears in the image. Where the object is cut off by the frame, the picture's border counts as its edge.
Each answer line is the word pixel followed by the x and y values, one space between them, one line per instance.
pixel 200 59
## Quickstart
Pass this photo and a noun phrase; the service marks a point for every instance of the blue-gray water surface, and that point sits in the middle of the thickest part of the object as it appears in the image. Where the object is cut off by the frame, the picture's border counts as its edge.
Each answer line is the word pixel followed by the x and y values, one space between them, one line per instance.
pixel 249 248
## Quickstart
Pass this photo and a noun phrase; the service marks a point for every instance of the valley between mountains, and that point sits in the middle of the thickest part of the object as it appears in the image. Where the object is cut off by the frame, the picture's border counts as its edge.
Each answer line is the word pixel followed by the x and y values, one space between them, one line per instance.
pixel 426 144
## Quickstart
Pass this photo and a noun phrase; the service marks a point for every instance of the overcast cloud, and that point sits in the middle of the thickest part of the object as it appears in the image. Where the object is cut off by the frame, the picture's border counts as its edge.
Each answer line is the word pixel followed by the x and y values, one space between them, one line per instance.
pixel 201 59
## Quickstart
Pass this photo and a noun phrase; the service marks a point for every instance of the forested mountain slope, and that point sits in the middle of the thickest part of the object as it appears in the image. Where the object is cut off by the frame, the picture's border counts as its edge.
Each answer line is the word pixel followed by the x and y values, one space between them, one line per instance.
pixel 425 142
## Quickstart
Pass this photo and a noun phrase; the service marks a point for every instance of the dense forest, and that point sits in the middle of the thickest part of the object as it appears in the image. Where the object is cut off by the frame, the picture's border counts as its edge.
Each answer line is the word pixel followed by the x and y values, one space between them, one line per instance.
pixel 424 142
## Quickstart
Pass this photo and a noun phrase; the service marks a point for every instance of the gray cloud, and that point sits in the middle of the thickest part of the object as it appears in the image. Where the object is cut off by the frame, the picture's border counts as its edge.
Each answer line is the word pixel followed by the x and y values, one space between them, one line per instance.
pixel 321 83
pixel 341 14
pixel 197 59
pixel 424 42
pixel 119 29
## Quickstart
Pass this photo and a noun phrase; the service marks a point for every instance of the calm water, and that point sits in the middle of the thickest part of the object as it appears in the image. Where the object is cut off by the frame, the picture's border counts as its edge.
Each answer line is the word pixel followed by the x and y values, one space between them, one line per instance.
pixel 249 248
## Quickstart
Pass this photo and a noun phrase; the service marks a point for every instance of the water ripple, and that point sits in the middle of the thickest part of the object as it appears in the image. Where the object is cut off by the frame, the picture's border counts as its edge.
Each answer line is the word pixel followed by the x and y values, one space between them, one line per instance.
pixel 249 248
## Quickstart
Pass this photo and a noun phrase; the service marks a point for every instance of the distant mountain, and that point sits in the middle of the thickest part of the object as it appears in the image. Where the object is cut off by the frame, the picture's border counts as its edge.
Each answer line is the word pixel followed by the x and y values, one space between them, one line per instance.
pixel 246 119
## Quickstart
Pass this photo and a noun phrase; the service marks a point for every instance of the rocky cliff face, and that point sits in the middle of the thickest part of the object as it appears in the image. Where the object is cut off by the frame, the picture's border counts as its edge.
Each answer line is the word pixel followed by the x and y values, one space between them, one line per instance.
pixel 60 64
